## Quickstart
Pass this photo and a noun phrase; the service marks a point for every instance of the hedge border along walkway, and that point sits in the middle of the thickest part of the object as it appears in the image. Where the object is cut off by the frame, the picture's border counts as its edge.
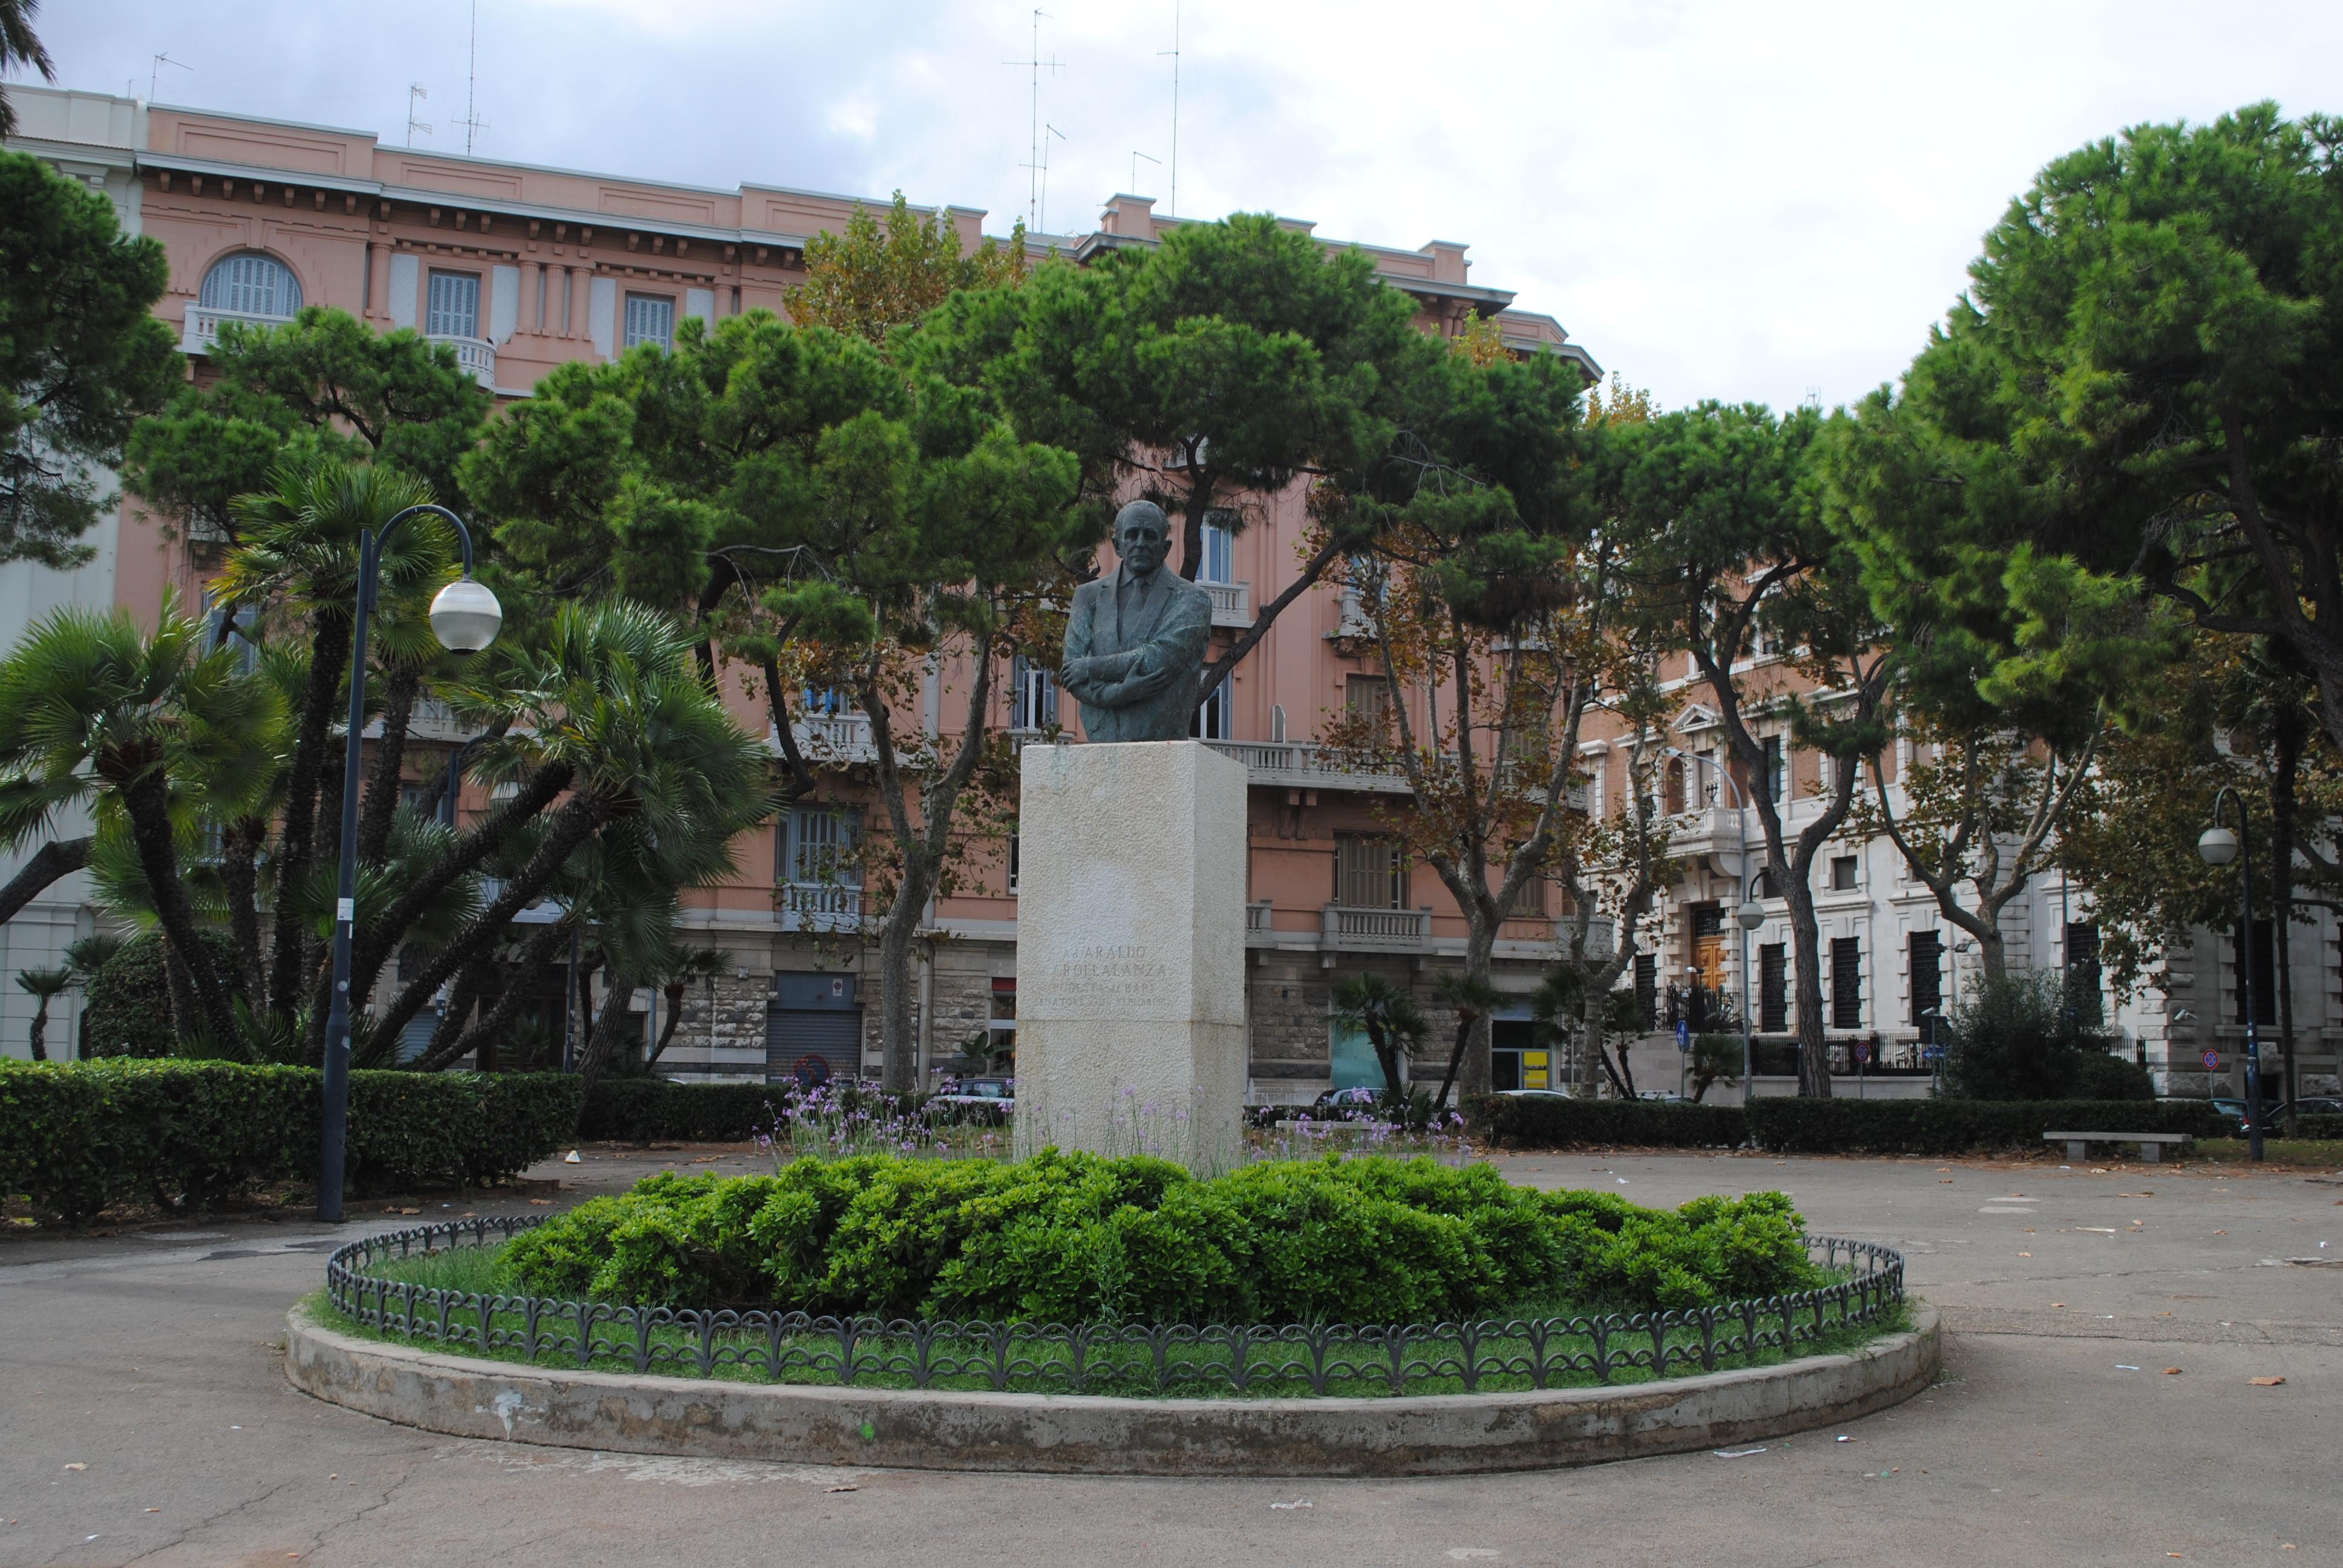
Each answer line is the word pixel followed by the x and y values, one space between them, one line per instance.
pixel 1799 1126
pixel 75 1136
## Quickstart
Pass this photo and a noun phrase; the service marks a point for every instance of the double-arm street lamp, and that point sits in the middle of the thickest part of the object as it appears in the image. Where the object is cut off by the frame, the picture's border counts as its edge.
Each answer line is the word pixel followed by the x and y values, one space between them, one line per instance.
pixel 465 616
pixel 2218 846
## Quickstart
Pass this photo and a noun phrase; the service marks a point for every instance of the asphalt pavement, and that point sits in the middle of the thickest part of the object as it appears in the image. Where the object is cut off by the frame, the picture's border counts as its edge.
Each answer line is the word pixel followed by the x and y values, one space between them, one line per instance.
pixel 2107 1327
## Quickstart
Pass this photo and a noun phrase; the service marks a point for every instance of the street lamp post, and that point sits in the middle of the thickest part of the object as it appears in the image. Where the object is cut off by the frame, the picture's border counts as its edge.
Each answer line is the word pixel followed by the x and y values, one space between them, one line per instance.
pixel 465 616
pixel 2218 846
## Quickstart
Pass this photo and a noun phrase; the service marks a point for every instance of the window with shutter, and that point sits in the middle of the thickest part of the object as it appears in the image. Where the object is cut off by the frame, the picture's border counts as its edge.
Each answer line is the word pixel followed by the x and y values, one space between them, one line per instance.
pixel 1773 987
pixel 1846 982
pixel 453 306
pixel 650 318
pixel 1370 873
pixel 251 284
pixel 1927 982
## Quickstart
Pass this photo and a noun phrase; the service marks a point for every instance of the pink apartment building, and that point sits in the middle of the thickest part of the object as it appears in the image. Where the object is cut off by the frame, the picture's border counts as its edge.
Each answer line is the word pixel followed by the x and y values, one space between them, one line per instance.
pixel 522 268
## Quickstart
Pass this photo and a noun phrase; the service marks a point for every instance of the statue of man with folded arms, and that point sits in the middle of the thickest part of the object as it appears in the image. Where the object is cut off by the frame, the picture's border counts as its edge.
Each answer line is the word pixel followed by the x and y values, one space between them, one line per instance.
pixel 1135 640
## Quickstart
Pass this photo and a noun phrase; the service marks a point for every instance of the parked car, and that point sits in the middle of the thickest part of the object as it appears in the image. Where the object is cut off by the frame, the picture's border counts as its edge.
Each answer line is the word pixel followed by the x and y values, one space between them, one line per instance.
pixel 1665 1096
pixel 1000 1092
pixel 1535 1093
pixel 2233 1106
pixel 1352 1104
pixel 2311 1105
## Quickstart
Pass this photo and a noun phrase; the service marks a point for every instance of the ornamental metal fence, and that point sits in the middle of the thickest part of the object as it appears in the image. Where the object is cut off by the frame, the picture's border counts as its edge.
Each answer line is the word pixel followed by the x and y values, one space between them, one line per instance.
pixel 1165 1361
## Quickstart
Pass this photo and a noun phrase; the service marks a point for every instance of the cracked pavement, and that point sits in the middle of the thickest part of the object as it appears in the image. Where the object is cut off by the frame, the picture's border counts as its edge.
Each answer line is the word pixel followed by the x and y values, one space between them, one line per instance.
pixel 146 1417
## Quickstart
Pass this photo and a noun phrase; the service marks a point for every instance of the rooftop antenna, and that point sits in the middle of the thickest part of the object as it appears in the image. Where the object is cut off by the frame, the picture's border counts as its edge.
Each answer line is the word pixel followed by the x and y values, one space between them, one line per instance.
pixel 1135 155
pixel 155 70
pixel 1171 208
pixel 473 123
pixel 415 92
pixel 1041 224
pixel 1033 154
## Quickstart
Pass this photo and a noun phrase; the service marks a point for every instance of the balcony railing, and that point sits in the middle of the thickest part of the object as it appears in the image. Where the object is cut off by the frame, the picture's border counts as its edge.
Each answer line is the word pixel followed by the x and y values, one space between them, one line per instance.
pixel 476 355
pixel 204 321
pixel 1257 926
pixel 1231 603
pixel 820 907
pixel 1298 765
pixel 833 739
pixel 1355 930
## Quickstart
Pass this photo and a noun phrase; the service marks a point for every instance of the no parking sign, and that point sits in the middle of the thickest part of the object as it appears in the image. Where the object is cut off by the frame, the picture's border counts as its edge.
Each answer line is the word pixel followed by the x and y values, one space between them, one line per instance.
pixel 2212 1061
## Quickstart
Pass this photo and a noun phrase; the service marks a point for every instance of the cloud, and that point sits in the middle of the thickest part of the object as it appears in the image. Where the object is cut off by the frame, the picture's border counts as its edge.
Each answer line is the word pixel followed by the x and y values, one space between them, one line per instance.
pixel 1720 200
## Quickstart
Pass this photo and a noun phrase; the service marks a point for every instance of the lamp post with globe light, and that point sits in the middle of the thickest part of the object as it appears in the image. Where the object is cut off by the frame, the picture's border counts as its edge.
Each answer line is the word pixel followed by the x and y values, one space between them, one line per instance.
pixel 465 616
pixel 2219 847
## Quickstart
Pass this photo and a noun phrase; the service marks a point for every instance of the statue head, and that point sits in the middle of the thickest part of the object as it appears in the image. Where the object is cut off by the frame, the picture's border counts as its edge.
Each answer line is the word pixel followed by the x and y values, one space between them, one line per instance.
pixel 1143 537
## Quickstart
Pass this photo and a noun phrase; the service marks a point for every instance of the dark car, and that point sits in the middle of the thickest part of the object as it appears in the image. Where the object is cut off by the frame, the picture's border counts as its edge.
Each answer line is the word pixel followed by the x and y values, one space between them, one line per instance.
pixel 1344 1104
pixel 2311 1105
pixel 990 1092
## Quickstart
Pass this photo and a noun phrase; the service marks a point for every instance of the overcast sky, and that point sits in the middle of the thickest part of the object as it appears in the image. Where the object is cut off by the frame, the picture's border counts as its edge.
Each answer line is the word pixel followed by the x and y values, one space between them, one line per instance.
pixel 1718 198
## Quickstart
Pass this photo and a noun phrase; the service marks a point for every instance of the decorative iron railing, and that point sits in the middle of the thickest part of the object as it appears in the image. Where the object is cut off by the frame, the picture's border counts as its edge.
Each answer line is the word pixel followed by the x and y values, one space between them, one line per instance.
pixel 1167 1360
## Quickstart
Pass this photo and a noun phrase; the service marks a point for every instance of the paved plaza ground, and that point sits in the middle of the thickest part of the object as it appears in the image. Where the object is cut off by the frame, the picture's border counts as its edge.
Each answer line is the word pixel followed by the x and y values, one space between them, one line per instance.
pixel 147 1417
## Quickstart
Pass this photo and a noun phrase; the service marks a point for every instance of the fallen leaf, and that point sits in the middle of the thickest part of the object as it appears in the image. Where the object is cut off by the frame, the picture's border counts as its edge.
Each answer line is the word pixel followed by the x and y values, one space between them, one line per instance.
pixel 2171 1372
pixel 2026 1254
pixel 2266 1382
pixel 542 1202
pixel 154 1511
pixel 403 1211
pixel 2058 1304
pixel 76 1464
pixel 2220 1233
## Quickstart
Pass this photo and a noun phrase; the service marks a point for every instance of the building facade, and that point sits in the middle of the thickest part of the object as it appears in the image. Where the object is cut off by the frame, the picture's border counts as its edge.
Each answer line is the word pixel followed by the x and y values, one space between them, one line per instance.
pixel 522 268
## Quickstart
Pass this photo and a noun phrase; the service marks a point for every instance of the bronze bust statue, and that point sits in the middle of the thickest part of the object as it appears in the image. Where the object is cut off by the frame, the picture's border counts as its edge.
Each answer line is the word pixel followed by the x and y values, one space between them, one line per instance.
pixel 1135 640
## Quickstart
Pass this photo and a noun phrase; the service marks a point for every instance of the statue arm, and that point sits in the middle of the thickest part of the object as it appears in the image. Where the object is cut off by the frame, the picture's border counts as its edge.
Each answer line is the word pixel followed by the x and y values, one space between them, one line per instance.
pixel 1172 654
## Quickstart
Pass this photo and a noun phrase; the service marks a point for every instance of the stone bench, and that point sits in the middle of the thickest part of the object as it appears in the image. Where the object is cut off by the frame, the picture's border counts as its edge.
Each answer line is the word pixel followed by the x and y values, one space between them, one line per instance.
pixel 2151 1144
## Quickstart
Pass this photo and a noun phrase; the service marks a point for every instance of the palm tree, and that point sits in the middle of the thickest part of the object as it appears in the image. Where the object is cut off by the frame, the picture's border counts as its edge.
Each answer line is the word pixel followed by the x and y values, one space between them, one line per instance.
pixel 44 985
pixel 658 769
pixel 1388 1016
pixel 18 46
pixel 1473 998
pixel 298 553
pixel 92 706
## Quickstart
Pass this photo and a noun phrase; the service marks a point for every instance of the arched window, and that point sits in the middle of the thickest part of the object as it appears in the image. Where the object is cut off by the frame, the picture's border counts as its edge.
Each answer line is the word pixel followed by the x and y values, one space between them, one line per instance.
pixel 251 284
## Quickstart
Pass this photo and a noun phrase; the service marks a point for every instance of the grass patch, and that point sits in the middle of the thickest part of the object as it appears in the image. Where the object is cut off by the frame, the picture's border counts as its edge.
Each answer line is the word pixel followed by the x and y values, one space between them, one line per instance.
pixel 1115 1361
pixel 2275 1150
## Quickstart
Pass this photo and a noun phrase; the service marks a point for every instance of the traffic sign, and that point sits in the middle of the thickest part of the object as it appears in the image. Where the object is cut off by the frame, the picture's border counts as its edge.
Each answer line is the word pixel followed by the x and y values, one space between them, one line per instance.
pixel 1863 1050
pixel 1684 1034
pixel 2212 1061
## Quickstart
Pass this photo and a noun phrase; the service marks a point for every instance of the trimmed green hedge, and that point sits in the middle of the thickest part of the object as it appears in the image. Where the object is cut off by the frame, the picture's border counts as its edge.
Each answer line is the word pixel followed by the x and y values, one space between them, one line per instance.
pixel 653 1109
pixel 1837 1126
pixel 1795 1126
pixel 2324 1124
pixel 1527 1122
pixel 1082 1237
pixel 75 1136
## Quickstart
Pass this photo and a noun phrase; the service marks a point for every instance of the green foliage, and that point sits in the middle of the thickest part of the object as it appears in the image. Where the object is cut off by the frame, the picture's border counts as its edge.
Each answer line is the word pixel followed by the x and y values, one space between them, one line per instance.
pixel 76 1138
pixel 1387 1014
pixel 1077 1238
pixel 2019 1037
pixel 2323 1125
pixel 128 1011
pixel 871 278
pixel 1803 1126
pixel 640 1109
pixel 324 385
pixel 80 356
pixel 1531 1122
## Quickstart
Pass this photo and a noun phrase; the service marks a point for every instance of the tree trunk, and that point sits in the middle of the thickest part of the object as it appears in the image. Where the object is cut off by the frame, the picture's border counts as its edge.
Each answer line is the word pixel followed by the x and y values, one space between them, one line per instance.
pixel 1477 1075
pixel 2288 732
pixel 376 941
pixel 382 785
pixel 450 1047
pixel 240 878
pixel 39 1040
pixel 329 657
pixel 897 938
pixel 570 827
pixel 602 1044
pixel 1814 1052
pixel 147 801
pixel 672 994
pixel 58 858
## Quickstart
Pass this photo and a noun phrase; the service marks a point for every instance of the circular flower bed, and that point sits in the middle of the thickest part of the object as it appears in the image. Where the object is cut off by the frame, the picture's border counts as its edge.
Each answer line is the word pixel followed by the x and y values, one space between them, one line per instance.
pixel 1071 1273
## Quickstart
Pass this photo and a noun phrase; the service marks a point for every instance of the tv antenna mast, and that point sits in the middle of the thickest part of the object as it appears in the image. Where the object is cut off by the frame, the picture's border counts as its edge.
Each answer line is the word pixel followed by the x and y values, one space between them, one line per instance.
pixel 1135 155
pixel 1171 208
pixel 473 123
pixel 1040 222
pixel 1034 161
pixel 155 71
pixel 415 94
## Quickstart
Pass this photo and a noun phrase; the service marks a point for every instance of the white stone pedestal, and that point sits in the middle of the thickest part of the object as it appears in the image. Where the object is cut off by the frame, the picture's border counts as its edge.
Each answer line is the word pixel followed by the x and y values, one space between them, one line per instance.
pixel 1130 1034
